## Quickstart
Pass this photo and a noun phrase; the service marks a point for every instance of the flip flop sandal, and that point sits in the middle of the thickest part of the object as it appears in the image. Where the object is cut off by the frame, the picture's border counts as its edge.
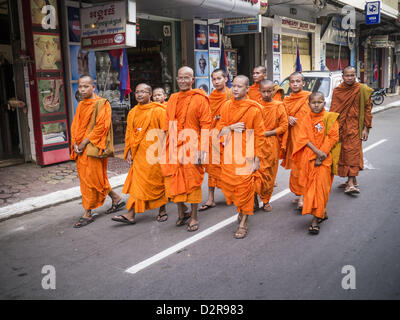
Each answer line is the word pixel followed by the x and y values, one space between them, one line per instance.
pixel 205 207
pixel 351 190
pixel 240 233
pixel 83 222
pixel 115 207
pixel 160 217
pixel 313 229
pixel 267 207
pixel 322 220
pixel 192 228
pixel 123 219
pixel 182 222
pixel 344 185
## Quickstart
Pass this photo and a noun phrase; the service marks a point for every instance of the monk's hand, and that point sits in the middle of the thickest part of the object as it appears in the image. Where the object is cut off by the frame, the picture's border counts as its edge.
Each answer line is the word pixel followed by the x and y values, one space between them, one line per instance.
pixel 365 134
pixel 292 120
pixel 256 164
pixel 129 157
pixel 237 127
pixel 318 162
pixel 83 144
pixel 321 155
pixel 269 133
pixel 76 148
pixel 200 158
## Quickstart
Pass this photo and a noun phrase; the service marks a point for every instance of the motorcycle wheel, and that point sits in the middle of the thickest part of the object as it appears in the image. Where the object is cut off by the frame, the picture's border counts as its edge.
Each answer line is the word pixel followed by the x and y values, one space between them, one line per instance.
pixel 378 99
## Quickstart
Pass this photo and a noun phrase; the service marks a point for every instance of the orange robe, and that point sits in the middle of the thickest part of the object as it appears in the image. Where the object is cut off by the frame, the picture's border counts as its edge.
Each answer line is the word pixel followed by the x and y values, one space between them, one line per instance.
pixel 144 183
pixel 217 99
pixel 237 179
pixel 185 110
pixel 92 171
pixel 347 101
pixel 296 106
pixel 254 92
pixel 275 118
pixel 316 181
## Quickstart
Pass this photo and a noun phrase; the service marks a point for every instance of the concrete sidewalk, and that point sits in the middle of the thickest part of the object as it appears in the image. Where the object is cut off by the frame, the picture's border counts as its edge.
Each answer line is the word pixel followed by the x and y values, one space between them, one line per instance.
pixel 28 187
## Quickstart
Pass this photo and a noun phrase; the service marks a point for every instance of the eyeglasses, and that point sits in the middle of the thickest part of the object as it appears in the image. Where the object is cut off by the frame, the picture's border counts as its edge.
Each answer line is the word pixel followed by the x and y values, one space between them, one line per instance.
pixel 184 79
pixel 143 92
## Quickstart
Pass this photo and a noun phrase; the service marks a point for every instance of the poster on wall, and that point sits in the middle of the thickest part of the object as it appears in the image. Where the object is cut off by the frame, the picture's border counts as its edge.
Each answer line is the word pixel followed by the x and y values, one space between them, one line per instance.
pixel 213 31
pixel 38 17
pixel 51 96
pixel 47 52
pixel 82 62
pixel 54 132
pixel 203 83
pixel 201 36
pixel 215 56
pixel 277 64
pixel 277 42
pixel 201 61
pixel 74 27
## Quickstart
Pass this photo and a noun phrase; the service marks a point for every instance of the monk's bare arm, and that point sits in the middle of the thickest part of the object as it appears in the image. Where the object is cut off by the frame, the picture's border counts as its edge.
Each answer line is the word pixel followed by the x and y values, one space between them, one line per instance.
pixel 319 153
pixel 270 133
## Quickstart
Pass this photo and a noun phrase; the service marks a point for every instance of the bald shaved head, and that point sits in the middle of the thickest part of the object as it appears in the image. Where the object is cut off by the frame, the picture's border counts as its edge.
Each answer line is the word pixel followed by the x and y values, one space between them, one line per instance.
pixel 243 77
pixel 144 86
pixel 87 77
pixel 266 82
pixel 349 68
pixel 186 69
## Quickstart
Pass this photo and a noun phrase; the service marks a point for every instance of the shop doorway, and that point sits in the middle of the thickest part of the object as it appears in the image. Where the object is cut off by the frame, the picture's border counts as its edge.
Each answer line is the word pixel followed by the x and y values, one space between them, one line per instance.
pixel 289 54
pixel 10 133
pixel 337 57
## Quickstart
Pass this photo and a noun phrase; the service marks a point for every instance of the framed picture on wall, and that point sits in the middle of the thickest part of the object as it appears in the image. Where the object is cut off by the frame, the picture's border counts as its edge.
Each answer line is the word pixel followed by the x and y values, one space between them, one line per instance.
pixel 47 51
pixel 51 96
pixel 203 83
pixel 201 36
pixel 201 60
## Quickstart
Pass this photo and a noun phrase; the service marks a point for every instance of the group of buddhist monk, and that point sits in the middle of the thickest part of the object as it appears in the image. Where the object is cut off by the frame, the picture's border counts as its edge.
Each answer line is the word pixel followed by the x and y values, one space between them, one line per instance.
pixel 238 136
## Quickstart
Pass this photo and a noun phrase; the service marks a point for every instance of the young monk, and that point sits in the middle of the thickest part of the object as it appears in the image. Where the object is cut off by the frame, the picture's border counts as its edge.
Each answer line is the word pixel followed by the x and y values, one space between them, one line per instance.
pixel 239 116
pixel 188 109
pixel 217 98
pixel 276 126
pixel 352 100
pixel 296 106
pixel 92 172
pixel 144 183
pixel 317 136
pixel 160 96
pixel 259 74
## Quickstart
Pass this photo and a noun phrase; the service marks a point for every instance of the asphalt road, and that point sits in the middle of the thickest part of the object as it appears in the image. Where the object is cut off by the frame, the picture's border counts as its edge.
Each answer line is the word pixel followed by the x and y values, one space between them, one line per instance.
pixel 277 260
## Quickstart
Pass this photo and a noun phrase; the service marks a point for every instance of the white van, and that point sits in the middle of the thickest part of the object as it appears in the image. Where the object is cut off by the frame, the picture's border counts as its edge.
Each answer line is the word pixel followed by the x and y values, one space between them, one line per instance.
pixel 324 81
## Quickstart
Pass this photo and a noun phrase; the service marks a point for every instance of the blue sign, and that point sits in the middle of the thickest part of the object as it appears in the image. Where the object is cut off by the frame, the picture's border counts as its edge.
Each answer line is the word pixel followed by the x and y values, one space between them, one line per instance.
pixel 373 12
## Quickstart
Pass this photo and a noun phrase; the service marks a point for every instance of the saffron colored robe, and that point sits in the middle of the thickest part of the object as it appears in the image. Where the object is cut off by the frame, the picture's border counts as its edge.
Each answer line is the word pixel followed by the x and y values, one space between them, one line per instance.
pixel 92 171
pixel 188 110
pixel 322 130
pixel 353 103
pixel 237 178
pixel 144 183
pixel 296 105
pixel 275 118
pixel 213 168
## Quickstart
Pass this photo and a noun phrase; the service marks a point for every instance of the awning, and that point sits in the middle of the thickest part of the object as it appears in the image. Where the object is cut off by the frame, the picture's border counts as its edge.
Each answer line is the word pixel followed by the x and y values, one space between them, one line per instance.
pixel 199 9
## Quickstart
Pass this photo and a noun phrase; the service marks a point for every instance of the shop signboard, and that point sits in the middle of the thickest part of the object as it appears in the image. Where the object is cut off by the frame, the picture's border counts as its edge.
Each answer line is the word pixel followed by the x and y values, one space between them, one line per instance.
pixel 298 25
pixel 108 26
pixel 373 12
pixel 244 25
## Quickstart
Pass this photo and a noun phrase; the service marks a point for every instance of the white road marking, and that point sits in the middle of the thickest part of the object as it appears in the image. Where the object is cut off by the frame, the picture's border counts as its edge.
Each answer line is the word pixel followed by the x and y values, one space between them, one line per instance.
pixel 163 254
pixel 144 264
pixel 374 145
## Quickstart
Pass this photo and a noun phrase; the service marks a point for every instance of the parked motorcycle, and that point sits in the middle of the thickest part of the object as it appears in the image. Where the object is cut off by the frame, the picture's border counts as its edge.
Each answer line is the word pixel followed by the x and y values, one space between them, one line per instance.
pixel 378 96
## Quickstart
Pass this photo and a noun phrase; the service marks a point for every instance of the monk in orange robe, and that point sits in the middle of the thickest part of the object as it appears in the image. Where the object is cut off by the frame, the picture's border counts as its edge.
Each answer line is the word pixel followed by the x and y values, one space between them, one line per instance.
pixel 218 97
pixel 276 126
pixel 352 100
pixel 92 172
pixel 160 96
pixel 317 136
pixel 188 112
pixel 296 106
pixel 144 183
pixel 259 74
pixel 242 127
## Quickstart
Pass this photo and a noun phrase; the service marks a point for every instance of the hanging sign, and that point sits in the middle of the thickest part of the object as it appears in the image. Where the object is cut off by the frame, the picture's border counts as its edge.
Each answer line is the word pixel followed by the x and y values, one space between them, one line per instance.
pixel 373 12
pixel 108 27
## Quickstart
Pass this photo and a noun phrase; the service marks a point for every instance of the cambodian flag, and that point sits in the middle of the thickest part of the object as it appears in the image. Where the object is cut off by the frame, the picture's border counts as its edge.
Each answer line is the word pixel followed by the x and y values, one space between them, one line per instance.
pixel 375 76
pixel 119 62
pixel 223 64
pixel 298 63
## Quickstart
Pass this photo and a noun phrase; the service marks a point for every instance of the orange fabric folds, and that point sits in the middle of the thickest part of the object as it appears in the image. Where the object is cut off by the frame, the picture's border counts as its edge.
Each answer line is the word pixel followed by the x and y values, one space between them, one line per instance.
pixel 145 183
pixel 92 172
pixel 187 114
pixel 237 177
pixel 315 181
